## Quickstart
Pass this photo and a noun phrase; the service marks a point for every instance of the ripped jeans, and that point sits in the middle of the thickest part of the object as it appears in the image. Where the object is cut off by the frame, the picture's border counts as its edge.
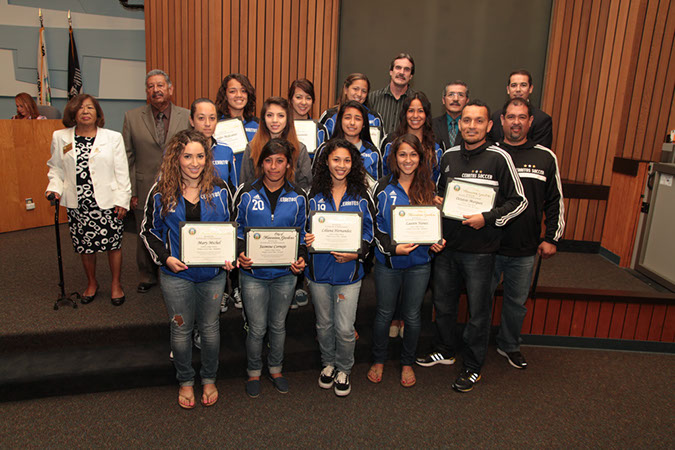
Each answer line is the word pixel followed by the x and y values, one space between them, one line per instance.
pixel 187 301
pixel 335 308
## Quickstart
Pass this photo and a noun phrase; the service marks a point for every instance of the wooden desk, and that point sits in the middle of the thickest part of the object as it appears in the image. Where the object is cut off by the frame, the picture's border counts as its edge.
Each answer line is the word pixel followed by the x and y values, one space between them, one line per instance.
pixel 24 152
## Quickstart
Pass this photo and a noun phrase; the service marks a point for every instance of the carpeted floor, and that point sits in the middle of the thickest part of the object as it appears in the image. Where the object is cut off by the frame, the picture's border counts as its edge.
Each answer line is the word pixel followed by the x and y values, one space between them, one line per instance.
pixel 568 398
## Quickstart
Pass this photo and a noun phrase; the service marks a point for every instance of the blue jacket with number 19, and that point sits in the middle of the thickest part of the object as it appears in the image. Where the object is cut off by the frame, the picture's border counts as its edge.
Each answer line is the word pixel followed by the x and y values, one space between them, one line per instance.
pixel 322 267
pixel 252 208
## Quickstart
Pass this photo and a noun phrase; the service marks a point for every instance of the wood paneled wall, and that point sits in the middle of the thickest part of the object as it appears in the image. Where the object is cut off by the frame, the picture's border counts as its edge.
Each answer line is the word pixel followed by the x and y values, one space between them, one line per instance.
pixel 24 152
pixel 272 42
pixel 609 90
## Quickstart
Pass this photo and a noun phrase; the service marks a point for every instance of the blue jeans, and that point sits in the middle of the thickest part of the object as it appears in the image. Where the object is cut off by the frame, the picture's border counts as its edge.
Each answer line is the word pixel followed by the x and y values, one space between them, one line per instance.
pixel 411 283
pixel 266 304
pixel 335 308
pixel 452 270
pixel 187 301
pixel 517 272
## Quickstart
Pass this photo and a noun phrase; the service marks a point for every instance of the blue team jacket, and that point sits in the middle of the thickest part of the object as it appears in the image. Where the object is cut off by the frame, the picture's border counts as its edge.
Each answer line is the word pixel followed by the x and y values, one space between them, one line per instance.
pixel 223 161
pixel 329 117
pixel 252 209
pixel 388 193
pixel 161 234
pixel 322 267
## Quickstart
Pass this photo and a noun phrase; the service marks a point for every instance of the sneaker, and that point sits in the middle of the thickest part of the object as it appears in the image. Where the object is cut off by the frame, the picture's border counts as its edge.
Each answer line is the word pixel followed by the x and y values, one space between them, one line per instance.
pixel 301 297
pixel 327 377
pixel 223 302
pixel 465 381
pixel 196 339
pixel 516 359
pixel 236 297
pixel 341 387
pixel 434 358
pixel 294 304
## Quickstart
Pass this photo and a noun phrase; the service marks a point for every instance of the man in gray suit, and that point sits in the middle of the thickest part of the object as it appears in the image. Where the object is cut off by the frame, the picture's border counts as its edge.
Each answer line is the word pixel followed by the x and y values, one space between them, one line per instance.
pixel 146 130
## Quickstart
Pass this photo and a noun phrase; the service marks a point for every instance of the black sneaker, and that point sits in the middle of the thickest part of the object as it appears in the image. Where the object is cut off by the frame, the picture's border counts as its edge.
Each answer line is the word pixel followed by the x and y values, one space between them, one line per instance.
pixel 516 359
pixel 465 381
pixel 327 377
pixel 342 387
pixel 434 358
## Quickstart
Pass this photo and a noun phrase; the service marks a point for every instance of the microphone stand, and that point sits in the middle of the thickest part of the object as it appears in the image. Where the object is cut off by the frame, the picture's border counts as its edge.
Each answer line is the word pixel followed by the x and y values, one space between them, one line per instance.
pixel 72 298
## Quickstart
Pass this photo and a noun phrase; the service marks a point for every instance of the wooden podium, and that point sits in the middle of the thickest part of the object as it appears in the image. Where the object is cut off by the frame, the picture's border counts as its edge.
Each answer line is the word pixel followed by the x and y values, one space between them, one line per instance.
pixel 24 152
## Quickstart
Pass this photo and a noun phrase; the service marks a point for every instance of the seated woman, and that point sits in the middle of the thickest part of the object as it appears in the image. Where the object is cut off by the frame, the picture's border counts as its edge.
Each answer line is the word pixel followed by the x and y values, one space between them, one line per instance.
pixel 401 270
pixel 270 200
pixel 415 119
pixel 26 108
pixel 89 173
pixel 356 87
pixel 236 98
pixel 276 124
pixel 352 126
pixel 335 278
pixel 188 190
pixel 301 98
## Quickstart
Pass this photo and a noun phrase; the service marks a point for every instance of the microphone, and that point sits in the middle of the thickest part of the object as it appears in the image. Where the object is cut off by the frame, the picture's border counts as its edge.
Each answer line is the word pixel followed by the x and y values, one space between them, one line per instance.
pixel 51 197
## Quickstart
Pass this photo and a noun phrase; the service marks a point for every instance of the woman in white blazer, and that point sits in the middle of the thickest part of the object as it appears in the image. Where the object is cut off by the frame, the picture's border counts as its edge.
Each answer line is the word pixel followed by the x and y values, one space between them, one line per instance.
pixel 89 173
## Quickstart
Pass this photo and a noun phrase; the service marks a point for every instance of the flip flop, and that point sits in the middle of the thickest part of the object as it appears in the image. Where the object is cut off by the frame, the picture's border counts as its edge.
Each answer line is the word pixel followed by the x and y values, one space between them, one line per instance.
pixel 408 381
pixel 375 374
pixel 191 401
pixel 210 401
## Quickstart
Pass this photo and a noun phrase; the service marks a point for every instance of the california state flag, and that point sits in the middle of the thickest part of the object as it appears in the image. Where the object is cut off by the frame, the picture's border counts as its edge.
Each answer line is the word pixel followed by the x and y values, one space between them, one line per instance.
pixel 44 90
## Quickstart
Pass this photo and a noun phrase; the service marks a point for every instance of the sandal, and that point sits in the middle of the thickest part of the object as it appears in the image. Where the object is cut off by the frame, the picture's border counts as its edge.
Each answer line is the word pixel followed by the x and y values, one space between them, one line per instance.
pixel 208 397
pixel 185 401
pixel 408 377
pixel 375 373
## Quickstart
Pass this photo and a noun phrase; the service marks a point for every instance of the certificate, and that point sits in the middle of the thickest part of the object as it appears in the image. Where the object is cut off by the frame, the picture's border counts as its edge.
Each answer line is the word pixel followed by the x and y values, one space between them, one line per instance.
pixel 306 131
pixel 270 246
pixel 208 244
pixel 336 231
pixel 416 225
pixel 376 136
pixel 464 199
pixel 231 133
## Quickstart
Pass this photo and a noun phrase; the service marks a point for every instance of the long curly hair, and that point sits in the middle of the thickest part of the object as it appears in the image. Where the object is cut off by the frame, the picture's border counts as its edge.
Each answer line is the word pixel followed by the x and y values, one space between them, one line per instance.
pixel 322 182
pixel 262 136
pixel 428 137
pixel 170 184
pixel 365 131
pixel 422 188
pixel 221 97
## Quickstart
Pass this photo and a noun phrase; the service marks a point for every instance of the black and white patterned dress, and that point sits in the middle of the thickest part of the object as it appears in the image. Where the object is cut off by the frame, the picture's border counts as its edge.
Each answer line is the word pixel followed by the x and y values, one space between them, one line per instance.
pixel 92 229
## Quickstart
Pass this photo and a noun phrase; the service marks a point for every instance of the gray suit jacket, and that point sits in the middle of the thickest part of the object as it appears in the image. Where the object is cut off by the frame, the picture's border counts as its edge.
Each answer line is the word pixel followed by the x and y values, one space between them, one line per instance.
pixel 143 151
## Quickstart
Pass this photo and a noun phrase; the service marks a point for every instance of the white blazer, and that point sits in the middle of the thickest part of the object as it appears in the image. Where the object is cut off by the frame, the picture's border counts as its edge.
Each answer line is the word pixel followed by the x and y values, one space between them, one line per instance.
pixel 108 167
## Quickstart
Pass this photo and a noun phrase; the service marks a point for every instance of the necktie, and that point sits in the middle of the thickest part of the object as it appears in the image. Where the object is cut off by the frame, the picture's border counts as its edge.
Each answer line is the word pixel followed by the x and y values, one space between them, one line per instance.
pixel 159 128
pixel 452 131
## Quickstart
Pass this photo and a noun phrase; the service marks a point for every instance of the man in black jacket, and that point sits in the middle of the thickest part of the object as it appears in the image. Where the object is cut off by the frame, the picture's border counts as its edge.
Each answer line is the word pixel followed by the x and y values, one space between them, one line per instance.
pixel 446 126
pixel 472 237
pixel 538 171
pixel 520 86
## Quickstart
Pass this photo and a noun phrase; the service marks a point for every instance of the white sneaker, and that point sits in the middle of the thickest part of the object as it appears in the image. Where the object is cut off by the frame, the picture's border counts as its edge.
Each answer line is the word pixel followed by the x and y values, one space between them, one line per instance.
pixel 223 302
pixel 196 339
pixel 342 387
pixel 236 297
pixel 301 297
pixel 327 377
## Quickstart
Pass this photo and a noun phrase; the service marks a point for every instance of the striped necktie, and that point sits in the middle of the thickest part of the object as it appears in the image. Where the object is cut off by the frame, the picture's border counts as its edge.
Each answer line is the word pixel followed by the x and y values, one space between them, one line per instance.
pixel 452 132
pixel 159 128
